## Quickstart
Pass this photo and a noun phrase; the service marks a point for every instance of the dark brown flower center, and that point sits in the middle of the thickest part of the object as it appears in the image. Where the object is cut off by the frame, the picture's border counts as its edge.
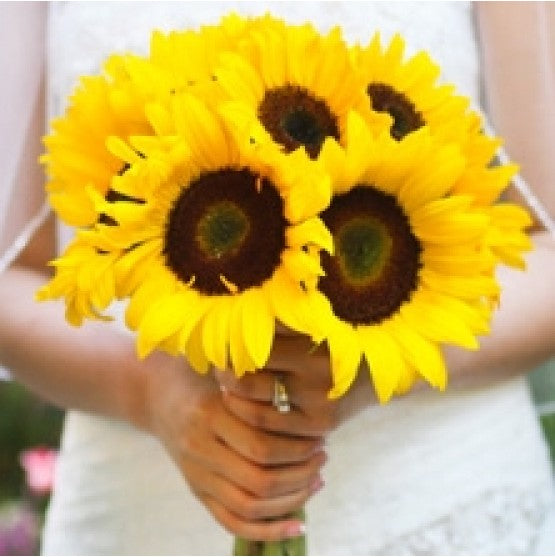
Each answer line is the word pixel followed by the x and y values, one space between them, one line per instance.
pixel 294 117
pixel 406 118
pixel 377 257
pixel 226 230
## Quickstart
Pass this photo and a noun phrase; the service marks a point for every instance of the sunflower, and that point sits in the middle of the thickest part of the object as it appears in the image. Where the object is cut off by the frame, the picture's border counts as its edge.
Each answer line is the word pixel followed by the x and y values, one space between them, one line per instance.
pixel 227 244
pixel 76 157
pixel 407 90
pixel 84 278
pixel 411 268
pixel 283 99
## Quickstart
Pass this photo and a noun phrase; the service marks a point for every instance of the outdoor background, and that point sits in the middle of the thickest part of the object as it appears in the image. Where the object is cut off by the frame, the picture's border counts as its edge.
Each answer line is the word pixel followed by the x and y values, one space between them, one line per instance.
pixel 26 423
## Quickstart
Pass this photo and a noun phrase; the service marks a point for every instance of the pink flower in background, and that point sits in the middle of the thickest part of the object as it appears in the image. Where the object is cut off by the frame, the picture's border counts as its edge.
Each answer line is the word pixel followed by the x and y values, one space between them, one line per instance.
pixel 39 464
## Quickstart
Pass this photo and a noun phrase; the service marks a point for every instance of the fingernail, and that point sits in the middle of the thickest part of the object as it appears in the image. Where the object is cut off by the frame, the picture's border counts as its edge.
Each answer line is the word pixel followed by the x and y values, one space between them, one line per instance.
pixel 295 530
pixel 223 388
pixel 316 485
pixel 324 455
pixel 319 446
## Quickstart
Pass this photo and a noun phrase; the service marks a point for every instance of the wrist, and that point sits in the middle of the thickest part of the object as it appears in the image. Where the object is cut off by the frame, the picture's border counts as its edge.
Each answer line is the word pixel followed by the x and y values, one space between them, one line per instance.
pixel 131 387
pixel 159 382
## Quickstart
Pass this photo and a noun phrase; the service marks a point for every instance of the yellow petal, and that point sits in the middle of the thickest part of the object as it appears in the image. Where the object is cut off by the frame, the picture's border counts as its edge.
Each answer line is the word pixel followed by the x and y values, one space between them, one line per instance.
pixel 437 323
pixel 384 359
pixel 163 318
pixel 258 325
pixel 132 267
pixel 157 284
pixel 305 311
pixel 345 354
pixel 239 79
pixel 422 354
pixel 309 196
pixel 301 266
pixel 160 119
pixel 465 287
pixel 311 231
pixel 239 355
pixel 195 353
pixel 202 130
pixel 215 331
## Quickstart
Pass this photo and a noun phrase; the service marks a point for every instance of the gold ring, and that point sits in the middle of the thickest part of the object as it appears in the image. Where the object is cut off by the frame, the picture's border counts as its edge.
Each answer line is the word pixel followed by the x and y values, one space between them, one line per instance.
pixel 281 397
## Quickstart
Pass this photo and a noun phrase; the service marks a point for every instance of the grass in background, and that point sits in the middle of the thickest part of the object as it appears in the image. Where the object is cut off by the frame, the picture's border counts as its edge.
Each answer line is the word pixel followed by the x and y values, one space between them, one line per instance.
pixel 542 383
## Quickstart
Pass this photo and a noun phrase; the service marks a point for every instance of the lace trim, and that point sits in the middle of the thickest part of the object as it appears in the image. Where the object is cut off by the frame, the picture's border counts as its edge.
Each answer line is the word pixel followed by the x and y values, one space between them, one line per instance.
pixel 500 522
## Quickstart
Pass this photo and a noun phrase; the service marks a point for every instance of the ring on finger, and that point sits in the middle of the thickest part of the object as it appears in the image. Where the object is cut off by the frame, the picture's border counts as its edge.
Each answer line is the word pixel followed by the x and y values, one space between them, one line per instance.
pixel 280 399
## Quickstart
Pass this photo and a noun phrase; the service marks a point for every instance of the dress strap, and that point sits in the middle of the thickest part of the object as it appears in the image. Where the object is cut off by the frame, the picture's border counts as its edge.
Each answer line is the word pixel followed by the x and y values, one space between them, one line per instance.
pixel 24 237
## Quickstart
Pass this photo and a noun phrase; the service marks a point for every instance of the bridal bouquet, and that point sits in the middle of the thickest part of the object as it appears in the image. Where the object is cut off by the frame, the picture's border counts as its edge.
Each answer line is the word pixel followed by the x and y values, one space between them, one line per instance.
pixel 256 173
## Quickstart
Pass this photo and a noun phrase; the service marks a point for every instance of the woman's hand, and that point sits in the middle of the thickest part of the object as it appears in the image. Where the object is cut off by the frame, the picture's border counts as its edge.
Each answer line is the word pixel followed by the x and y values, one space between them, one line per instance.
pixel 242 474
pixel 305 373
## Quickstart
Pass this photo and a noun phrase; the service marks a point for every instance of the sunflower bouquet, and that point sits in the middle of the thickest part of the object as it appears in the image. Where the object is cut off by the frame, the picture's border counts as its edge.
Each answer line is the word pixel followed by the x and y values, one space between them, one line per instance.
pixel 229 182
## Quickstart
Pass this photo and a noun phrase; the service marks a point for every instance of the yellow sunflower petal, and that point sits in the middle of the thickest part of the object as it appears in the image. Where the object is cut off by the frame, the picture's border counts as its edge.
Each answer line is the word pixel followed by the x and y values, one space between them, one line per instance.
pixel 384 359
pixel 162 319
pixel 132 267
pixel 423 355
pixel 239 355
pixel 158 283
pixel 345 354
pixel 194 351
pixel 311 231
pixel 464 287
pixel 301 265
pixel 215 331
pixel 436 323
pixel 258 326
pixel 204 134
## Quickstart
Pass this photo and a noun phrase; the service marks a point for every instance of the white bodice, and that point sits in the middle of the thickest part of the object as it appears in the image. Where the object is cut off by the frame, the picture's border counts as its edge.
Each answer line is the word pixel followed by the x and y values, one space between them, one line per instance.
pixel 404 478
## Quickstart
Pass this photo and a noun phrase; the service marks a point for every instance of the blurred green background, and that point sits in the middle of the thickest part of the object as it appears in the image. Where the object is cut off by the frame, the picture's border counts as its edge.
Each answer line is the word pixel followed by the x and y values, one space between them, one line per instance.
pixel 26 422
pixel 542 383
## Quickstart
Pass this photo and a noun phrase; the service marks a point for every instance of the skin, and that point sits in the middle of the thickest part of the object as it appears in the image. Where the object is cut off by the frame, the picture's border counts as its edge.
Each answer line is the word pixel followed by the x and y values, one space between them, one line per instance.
pixel 218 439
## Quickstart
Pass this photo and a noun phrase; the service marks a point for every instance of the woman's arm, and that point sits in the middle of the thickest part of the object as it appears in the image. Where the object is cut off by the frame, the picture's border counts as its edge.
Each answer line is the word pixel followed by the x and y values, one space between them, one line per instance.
pixel 518 59
pixel 242 474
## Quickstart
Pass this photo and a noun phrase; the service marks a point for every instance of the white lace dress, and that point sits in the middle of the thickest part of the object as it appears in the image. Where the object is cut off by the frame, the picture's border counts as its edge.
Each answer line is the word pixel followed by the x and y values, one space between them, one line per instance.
pixel 464 472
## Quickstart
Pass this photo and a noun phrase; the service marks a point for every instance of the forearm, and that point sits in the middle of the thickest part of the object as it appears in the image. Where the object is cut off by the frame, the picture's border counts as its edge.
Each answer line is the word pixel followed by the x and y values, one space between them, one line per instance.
pixel 518 57
pixel 92 368
pixel 523 327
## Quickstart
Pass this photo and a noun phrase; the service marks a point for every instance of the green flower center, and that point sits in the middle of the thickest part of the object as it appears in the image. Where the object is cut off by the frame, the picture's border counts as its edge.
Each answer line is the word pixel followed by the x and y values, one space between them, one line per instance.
pixel 225 232
pixel 377 257
pixel 295 117
pixel 363 246
pixel 222 229
pixel 406 118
